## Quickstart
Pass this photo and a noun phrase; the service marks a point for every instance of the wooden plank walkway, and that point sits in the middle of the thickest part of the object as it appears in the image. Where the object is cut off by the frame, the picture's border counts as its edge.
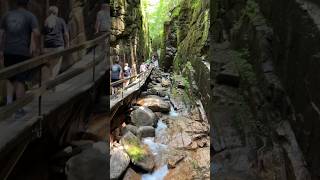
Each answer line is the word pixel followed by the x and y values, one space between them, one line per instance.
pixel 135 87
pixel 15 131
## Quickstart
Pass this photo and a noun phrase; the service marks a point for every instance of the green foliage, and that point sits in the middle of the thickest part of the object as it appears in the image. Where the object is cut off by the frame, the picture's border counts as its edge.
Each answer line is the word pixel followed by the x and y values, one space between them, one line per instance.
pixel 157 13
pixel 252 9
pixel 136 153
pixel 196 4
pixel 244 67
pixel 135 150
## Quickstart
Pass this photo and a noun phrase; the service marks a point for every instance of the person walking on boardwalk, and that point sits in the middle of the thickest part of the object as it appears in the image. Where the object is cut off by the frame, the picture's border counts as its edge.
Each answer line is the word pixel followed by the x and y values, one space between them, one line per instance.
pixel 116 72
pixel 19 41
pixel 126 73
pixel 102 26
pixel 143 67
pixel 56 38
pixel 155 61
pixel 103 22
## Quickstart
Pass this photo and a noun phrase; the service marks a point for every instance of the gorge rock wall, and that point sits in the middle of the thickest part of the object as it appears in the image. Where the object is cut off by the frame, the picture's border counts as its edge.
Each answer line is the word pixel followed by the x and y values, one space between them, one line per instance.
pixel 282 41
pixel 128 39
pixel 186 43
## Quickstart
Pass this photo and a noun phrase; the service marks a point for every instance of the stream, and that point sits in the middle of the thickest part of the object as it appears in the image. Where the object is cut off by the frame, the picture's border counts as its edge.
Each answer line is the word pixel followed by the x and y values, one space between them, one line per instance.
pixel 156 148
pixel 178 144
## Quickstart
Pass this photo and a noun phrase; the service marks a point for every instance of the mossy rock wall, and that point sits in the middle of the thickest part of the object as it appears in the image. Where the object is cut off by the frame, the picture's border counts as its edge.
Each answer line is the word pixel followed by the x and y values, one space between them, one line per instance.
pixel 282 39
pixel 189 26
pixel 129 39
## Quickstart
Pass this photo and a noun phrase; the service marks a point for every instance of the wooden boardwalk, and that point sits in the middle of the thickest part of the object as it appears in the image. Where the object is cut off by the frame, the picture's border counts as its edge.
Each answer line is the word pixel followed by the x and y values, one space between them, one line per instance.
pixel 15 132
pixel 134 87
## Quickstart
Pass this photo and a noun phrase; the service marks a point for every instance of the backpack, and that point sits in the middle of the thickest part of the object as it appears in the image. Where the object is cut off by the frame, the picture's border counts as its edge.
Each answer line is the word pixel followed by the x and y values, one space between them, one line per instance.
pixel 127 72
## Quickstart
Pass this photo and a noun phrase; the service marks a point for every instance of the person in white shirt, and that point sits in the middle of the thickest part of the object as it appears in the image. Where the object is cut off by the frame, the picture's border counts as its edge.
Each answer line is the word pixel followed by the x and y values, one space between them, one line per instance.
pixel 126 73
pixel 155 61
pixel 143 68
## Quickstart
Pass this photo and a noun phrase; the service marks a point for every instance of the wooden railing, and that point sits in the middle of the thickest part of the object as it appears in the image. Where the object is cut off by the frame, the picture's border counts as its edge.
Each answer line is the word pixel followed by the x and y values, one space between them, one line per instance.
pixel 38 62
pixel 141 77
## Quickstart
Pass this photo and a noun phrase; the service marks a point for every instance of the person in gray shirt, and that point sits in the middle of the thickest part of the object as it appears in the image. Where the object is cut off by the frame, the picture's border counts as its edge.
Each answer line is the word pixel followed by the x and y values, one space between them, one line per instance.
pixel 103 25
pixel 103 22
pixel 55 38
pixel 19 41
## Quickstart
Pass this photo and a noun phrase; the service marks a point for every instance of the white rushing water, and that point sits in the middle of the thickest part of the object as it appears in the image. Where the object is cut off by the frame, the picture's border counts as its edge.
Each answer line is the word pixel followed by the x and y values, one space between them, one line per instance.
pixel 159 174
pixel 161 126
pixel 173 113
pixel 154 147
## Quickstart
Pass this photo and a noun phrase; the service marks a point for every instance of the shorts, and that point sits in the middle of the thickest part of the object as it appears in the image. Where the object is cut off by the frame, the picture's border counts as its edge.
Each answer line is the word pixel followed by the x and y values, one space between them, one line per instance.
pixel 115 80
pixel 10 60
pixel 54 65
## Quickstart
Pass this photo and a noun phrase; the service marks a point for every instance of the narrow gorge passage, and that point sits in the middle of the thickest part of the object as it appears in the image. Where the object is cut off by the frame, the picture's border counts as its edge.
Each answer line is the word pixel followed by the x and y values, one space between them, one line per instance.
pixel 164 134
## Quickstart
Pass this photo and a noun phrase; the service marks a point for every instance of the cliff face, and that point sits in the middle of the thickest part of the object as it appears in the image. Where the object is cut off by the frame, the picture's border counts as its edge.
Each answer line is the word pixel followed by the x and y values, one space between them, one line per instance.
pixel 128 35
pixel 281 39
pixel 185 45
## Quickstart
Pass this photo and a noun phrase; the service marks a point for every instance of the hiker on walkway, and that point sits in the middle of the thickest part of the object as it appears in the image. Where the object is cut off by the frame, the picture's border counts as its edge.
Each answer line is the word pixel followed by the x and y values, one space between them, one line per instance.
pixel 103 25
pixel 143 67
pixel 19 41
pixel 126 73
pixel 116 72
pixel 55 38
pixel 155 61
pixel 103 22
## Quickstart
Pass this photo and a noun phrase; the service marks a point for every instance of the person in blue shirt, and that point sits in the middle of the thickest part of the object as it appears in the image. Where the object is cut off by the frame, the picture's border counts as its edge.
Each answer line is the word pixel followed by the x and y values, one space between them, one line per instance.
pixel 19 41
pixel 116 72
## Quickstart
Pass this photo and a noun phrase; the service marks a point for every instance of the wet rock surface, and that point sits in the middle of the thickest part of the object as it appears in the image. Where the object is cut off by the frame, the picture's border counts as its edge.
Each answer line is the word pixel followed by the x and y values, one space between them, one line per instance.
pixel 140 155
pixel 167 146
pixel 133 129
pixel 131 175
pixel 146 131
pixel 155 103
pixel 89 164
pixel 143 116
pixel 119 162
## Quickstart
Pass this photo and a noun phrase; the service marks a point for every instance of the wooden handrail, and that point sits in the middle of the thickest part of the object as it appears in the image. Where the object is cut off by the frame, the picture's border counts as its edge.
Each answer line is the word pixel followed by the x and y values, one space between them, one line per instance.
pixel 145 75
pixel 129 78
pixel 40 60
pixel 6 111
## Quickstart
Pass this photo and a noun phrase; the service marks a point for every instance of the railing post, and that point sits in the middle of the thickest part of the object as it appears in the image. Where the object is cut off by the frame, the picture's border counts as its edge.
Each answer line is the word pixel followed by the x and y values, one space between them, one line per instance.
pixel 94 64
pixel 40 96
pixel 122 90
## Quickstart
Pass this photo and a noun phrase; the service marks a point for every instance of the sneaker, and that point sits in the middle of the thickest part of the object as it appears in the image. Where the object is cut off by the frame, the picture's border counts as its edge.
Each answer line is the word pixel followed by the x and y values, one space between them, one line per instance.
pixel 20 113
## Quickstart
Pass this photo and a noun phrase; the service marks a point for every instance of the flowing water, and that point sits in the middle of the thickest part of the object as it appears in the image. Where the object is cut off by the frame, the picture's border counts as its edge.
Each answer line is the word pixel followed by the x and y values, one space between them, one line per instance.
pixel 156 175
pixel 173 113
pixel 156 148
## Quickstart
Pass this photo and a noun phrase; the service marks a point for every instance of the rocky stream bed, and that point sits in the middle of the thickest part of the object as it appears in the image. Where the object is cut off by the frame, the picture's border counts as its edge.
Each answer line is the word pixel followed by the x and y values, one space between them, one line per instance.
pixel 166 137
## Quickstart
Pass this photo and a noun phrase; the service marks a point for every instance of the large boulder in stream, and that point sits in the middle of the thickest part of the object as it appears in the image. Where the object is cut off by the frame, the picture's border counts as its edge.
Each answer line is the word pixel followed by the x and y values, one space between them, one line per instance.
pixel 143 116
pixel 155 103
pixel 146 131
pixel 139 154
pixel 131 128
pixel 131 175
pixel 119 161
pixel 89 164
